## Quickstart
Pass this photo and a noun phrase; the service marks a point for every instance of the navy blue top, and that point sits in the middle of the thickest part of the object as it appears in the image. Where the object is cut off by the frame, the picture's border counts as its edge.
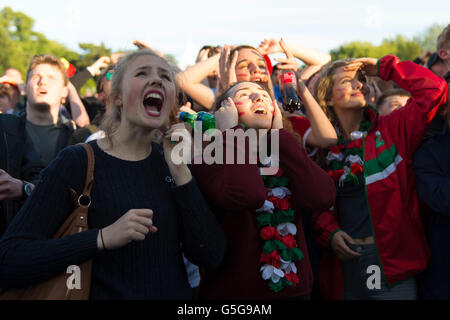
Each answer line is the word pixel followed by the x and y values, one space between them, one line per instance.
pixel 432 169
pixel 352 208
pixel 149 269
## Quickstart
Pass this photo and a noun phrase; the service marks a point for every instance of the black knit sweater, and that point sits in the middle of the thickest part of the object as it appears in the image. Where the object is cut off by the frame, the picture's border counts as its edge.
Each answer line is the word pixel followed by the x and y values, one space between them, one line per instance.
pixel 151 269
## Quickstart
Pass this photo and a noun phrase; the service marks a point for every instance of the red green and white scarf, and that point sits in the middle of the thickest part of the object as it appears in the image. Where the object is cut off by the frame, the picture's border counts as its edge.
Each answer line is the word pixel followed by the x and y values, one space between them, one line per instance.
pixel 277 229
pixel 345 160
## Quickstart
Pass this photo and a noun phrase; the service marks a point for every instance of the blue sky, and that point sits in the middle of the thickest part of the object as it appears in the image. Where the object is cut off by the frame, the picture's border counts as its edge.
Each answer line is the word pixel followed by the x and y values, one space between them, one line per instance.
pixel 182 27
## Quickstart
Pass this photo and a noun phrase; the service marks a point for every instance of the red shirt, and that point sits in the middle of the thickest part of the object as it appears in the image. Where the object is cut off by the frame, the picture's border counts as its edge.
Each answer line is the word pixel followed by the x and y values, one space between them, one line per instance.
pixel 302 126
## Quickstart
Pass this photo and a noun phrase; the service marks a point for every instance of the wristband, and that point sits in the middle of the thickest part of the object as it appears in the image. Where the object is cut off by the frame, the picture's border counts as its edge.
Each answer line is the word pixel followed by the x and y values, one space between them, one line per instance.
pixel 103 242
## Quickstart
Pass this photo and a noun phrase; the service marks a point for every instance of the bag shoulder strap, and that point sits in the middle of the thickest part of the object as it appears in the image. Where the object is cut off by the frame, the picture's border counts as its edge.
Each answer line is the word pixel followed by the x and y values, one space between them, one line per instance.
pixel 90 169
pixel 77 220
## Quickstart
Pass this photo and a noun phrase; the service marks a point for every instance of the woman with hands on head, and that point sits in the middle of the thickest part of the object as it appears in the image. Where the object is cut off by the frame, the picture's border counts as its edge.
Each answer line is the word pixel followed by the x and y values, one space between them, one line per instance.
pixel 266 254
pixel 374 229
pixel 146 210
pixel 246 63
pixel 242 63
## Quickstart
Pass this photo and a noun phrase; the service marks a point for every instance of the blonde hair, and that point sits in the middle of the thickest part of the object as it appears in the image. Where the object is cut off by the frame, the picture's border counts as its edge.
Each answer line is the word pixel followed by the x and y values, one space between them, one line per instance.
pixel 443 40
pixel 112 118
pixel 50 60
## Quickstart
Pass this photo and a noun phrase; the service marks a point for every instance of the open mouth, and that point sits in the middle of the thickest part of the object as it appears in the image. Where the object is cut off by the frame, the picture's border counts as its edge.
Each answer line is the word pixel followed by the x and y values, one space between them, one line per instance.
pixel 153 103
pixel 42 91
pixel 260 110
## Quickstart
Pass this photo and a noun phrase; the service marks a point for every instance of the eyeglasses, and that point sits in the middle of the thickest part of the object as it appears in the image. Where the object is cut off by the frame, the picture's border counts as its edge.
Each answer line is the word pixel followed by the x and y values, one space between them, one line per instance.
pixel 109 75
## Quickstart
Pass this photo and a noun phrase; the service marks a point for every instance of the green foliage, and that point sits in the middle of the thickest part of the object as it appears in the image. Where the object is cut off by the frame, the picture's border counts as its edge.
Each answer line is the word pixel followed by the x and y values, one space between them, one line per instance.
pixel 20 43
pixel 89 88
pixel 91 53
pixel 402 47
pixel 428 39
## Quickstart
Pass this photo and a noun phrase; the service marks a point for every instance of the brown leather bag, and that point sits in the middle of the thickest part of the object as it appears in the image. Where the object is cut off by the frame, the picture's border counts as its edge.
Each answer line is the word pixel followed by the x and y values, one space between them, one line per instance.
pixel 56 288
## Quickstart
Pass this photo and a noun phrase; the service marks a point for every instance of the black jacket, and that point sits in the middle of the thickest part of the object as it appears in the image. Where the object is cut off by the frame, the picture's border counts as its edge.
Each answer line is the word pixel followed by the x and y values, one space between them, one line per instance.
pixel 18 158
pixel 432 169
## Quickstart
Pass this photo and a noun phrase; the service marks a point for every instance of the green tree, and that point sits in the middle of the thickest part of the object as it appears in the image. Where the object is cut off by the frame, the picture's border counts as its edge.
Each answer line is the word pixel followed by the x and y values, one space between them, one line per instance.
pixel 90 53
pixel 355 49
pixel 20 43
pixel 428 38
pixel 404 48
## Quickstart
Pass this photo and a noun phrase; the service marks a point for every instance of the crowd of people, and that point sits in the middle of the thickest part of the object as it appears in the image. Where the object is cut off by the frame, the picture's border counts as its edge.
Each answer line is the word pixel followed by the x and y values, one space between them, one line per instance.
pixel 358 209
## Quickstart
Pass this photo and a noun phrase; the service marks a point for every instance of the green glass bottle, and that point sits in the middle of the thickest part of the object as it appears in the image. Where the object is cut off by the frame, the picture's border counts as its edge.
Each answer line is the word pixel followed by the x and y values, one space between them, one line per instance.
pixel 207 119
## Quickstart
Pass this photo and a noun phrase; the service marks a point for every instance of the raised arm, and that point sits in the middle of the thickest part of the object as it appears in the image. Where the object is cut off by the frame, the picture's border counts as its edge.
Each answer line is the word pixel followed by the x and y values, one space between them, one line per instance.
pixel 80 78
pixel 233 187
pixel 323 134
pixel 190 81
pixel 313 59
pixel 407 125
pixel 78 111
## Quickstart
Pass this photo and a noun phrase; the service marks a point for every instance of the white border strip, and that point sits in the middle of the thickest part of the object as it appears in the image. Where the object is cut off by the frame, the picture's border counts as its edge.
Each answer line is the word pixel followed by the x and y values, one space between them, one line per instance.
pixel 385 173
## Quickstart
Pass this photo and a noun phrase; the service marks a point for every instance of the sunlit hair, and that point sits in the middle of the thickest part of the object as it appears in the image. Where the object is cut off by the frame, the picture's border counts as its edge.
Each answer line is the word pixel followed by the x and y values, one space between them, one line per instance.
pixel 112 119
pixel 323 88
pixel 287 125
pixel 50 60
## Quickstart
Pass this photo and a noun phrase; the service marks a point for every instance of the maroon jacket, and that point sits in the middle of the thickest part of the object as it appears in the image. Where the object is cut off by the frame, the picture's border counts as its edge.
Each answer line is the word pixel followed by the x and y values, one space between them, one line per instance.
pixel 235 192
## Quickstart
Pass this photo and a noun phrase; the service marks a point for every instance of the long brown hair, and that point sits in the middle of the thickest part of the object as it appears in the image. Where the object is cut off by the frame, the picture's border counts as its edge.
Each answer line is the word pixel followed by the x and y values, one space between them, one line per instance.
pixel 323 87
